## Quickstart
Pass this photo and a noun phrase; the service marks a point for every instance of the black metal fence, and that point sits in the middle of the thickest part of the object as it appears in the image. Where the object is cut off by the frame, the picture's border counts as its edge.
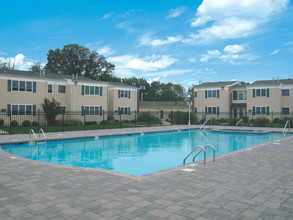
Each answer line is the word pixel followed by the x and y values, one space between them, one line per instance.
pixel 71 121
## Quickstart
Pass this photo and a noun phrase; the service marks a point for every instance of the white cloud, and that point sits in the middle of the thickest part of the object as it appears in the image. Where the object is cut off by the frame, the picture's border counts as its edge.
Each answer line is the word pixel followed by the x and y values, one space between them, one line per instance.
pixel 105 51
pixel 274 52
pixel 211 54
pixel 19 61
pixel 126 25
pixel 230 19
pixel 126 65
pixel 230 54
pixel 192 60
pixel 164 74
pixel 234 48
pixel 174 13
pixel 148 40
pixel 107 16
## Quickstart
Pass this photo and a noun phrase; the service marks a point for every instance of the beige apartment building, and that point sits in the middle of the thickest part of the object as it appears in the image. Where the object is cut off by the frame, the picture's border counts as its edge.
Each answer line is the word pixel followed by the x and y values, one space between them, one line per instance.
pixel 213 98
pixel 264 98
pixel 23 92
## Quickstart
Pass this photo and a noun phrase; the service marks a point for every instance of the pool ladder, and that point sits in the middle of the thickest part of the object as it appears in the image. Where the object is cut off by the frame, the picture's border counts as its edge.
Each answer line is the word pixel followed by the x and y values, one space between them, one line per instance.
pixel 284 129
pixel 203 126
pixel 205 153
pixel 40 131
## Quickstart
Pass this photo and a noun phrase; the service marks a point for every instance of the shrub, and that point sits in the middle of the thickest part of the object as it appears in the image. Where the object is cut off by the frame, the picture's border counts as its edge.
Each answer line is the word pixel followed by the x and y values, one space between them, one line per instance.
pixel 72 123
pixel 35 123
pixel 125 121
pixel 1 122
pixel 90 123
pixel 104 122
pixel 260 121
pixel 291 122
pixel 232 121
pixel 278 121
pixel 14 123
pixel 222 120
pixel 245 119
pixel 51 109
pixel 110 118
pixel 182 118
pixel 145 116
pixel 26 123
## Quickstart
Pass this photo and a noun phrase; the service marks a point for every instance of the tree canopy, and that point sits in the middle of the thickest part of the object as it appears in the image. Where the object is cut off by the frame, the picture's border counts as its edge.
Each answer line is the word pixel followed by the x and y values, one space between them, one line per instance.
pixel 78 60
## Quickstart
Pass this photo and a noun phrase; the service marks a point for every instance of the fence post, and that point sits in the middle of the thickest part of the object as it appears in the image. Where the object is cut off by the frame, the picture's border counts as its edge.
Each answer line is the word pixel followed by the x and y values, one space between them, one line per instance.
pixel 63 122
pixel 171 117
pixel 178 118
pixel 148 118
pixel 120 119
pixel 10 123
pixel 272 116
pixel 38 119
pixel 135 118
pixel 84 120
pixel 160 119
pixel 103 119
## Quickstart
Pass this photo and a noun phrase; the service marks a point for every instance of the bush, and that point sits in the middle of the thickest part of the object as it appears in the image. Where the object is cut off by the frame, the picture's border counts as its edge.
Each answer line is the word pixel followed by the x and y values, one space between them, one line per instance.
pixel 104 122
pixel 35 123
pixel 232 121
pixel 245 119
pixel 182 118
pixel 125 121
pixel 14 123
pixel 1 122
pixel 260 121
pixel 72 123
pixel 110 118
pixel 26 123
pixel 291 122
pixel 90 123
pixel 222 120
pixel 278 121
pixel 145 116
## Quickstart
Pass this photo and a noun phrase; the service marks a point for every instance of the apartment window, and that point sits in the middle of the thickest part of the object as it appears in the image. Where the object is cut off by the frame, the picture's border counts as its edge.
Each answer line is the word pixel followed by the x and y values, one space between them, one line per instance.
pixel 212 93
pixel 61 89
pixel 124 110
pixel 50 88
pixel 212 110
pixel 91 110
pixel 261 92
pixel 21 86
pixel 21 109
pixel 195 110
pixel 285 92
pixel 285 111
pixel 261 110
pixel 239 95
pixel 29 86
pixel 14 85
pixel 123 94
pixel 61 110
pixel 91 90
pixel 195 94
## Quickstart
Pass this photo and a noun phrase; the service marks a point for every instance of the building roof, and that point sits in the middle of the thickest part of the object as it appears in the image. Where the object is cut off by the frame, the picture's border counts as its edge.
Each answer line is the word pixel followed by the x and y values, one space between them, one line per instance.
pixel 50 76
pixel 272 82
pixel 216 84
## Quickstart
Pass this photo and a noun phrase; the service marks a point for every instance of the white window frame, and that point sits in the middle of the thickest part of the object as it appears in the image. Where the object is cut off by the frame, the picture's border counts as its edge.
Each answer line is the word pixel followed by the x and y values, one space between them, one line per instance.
pixel 25 86
pixel 62 92
pixel 286 108
pixel 288 92
pixel 18 109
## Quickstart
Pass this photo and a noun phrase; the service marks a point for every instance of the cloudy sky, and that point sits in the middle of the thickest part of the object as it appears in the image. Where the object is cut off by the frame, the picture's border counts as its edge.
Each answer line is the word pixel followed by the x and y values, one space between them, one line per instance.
pixel 171 41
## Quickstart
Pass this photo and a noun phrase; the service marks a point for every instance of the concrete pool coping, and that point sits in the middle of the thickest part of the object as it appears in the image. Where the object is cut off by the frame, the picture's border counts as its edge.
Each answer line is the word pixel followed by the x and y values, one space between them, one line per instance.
pixel 254 183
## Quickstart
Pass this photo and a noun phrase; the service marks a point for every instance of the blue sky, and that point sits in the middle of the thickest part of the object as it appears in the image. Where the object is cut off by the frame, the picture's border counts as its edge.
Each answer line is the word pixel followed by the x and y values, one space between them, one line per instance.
pixel 171 41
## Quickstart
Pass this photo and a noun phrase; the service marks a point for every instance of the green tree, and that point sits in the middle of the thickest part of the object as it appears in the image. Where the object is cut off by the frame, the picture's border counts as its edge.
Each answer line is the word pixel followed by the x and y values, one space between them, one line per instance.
pixel 36 68
pixel 7 66
pixel 51 109
pixel 78 60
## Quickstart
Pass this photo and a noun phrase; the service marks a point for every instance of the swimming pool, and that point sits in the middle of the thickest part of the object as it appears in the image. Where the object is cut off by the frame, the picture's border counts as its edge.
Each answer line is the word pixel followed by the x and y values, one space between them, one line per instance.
pixel 137 154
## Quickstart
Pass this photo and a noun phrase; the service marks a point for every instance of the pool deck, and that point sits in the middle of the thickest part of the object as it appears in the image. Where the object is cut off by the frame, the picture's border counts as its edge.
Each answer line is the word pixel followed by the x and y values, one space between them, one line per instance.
pixel 254 183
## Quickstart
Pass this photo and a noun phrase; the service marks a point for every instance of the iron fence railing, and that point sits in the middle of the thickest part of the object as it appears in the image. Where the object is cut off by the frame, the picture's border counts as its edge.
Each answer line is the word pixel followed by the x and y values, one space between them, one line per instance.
pixel 69 121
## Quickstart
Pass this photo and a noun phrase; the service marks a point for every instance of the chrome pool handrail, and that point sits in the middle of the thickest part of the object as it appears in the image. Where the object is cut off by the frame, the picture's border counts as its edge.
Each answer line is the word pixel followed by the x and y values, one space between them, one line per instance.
pixel 284 129
pixel 204 124
pixel 32 132
pixel 42 131
pixel 241 120
pixel 197 153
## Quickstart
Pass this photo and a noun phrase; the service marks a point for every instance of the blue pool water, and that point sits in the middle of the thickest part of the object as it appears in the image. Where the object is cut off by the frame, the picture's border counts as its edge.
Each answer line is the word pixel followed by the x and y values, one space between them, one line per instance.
pixel 137 154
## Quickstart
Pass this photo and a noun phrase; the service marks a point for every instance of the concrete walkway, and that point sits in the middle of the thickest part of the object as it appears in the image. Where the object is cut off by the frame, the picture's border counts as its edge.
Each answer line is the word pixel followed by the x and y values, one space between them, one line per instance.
pixel 247 184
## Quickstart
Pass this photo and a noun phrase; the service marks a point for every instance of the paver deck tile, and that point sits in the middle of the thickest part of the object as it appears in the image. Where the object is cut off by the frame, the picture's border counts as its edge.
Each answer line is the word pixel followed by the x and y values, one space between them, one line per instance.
pixel 250 184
